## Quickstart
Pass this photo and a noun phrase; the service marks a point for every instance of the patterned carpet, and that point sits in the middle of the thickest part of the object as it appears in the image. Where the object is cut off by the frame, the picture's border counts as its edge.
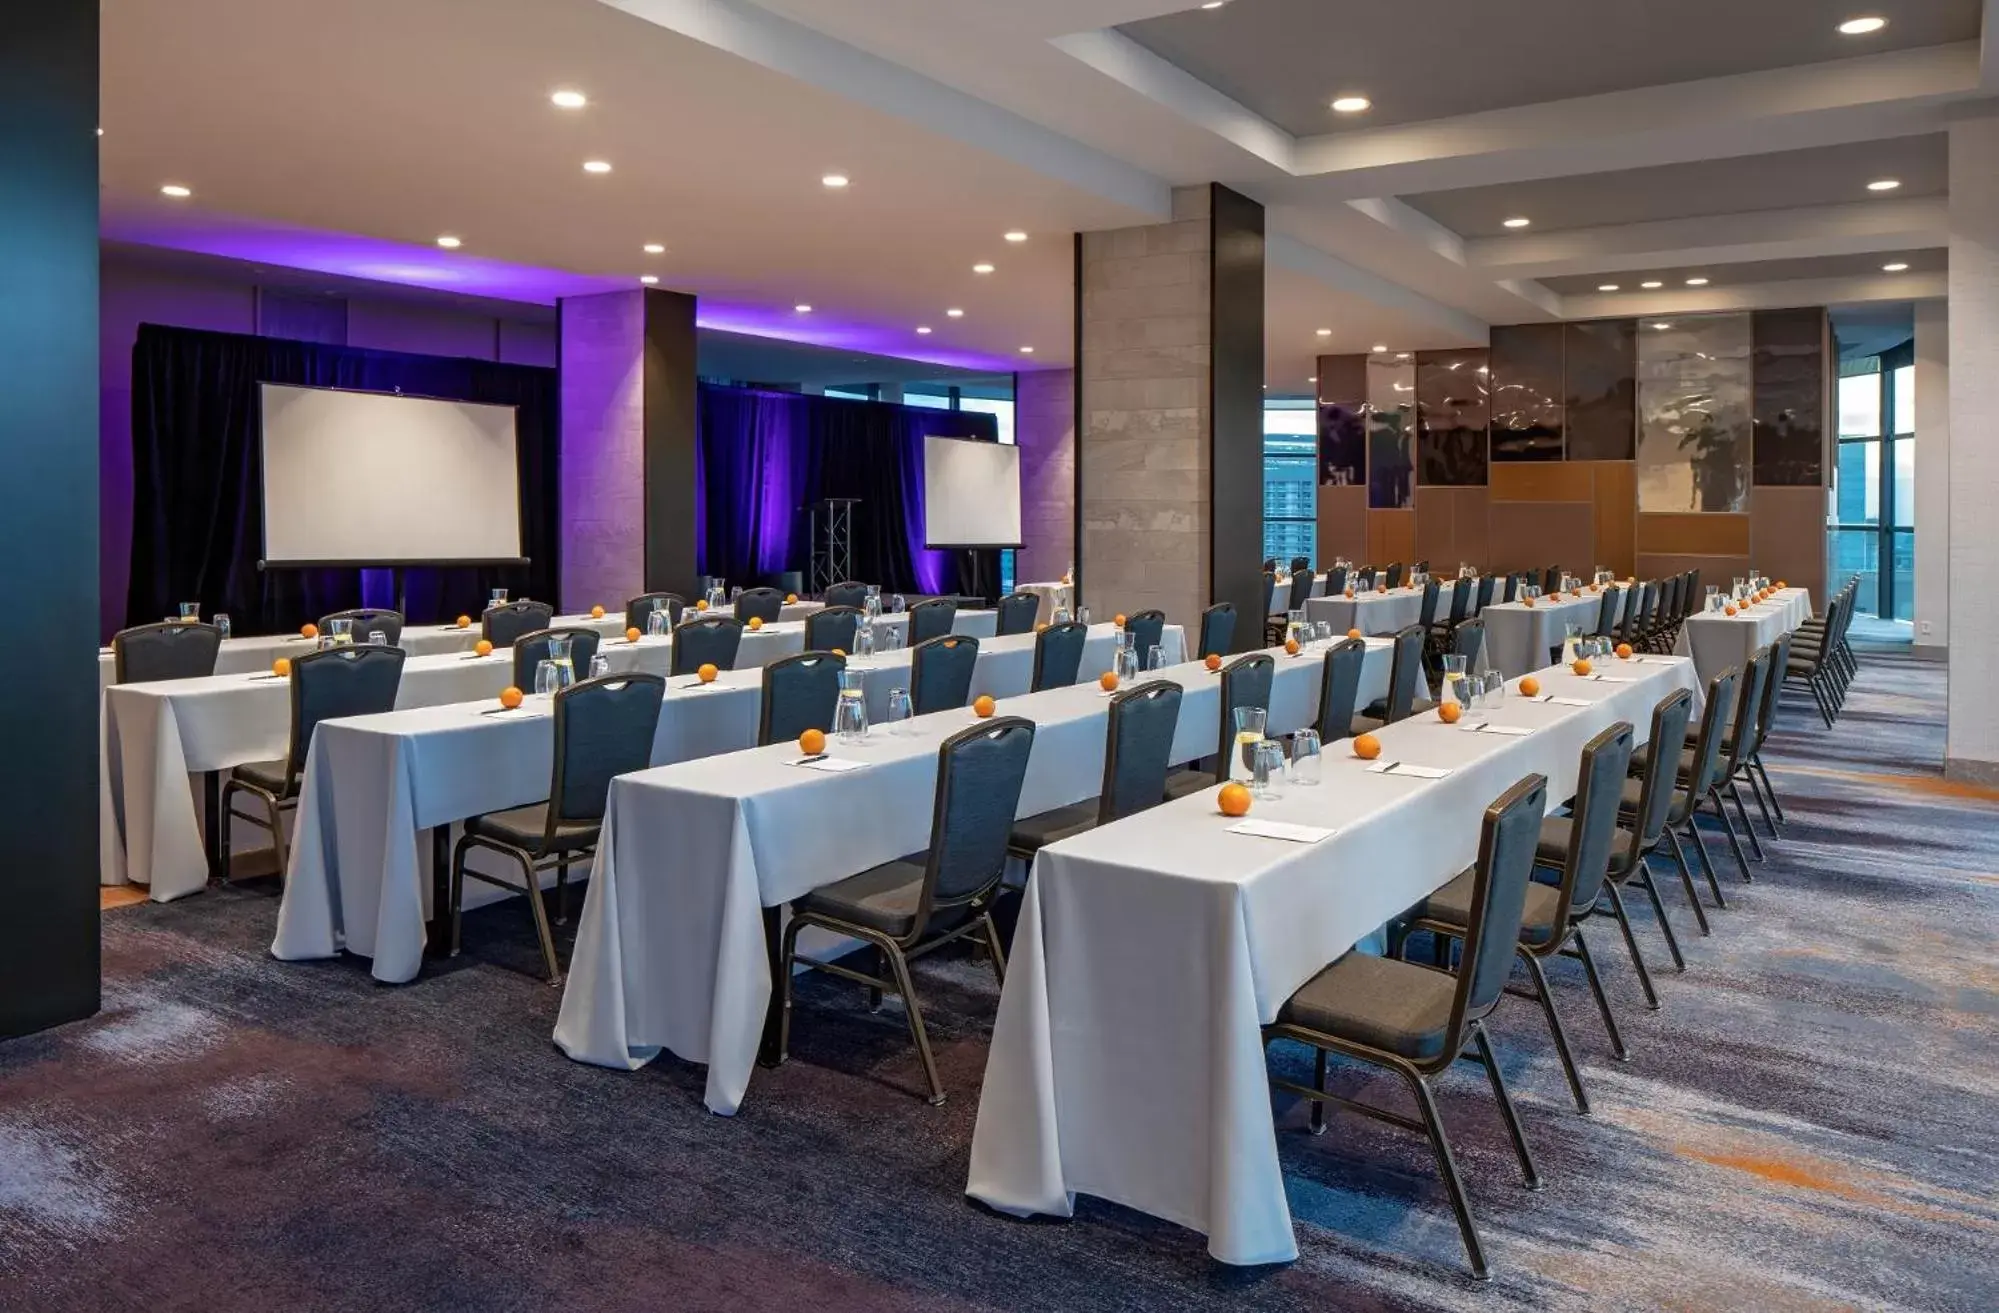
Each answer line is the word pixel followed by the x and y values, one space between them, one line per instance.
pixel 1811 1122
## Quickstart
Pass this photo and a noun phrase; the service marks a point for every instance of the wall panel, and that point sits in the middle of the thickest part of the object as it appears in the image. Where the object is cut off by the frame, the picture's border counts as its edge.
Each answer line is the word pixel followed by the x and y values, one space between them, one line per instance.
pixel 1617 516
pixel 1532 535
pixel 1391 537
pixel 1342 522
pixel 1789 405
pixel 1600 390
pixel 1527 392
pixel 1452 418
pixel 1788 537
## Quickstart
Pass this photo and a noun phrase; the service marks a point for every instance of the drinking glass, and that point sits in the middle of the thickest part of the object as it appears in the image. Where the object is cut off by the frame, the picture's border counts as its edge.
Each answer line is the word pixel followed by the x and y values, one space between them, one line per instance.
pixel 735 593
pixel 1249 722
pixel 1155 657
pixel 547 679
pixel 341 632
pixel 376 638
pixel 1495 690
pixel 898 712
pixel 1306 758
pixel 1126 664
pixel 1266 769
pixel 864 639
pixel 1060 616
pixel 222 623
pixel 658 624
pixel 190 613
pixel 898 604
pixel 497 597
pixel 1082 615
pixel 600 666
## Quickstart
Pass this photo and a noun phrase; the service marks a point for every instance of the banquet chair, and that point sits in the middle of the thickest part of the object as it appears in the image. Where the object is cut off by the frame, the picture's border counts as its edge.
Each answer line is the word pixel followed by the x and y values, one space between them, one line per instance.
pixel 503 624
pixel 1016 614
pixel 1336 582
pixel 1426 616
pixel 1217 630
pixel 1610 612
pixel 1466 642
pixel 1396 574
pixel 1403 677
pixel 338 681
pixel 1058 655
pixel 1551 578
pixel 1245 683
pixel 603 728
pixel 1732 749
pixel 1512 587
pixel 1302 565
pixel 1483 599
pixel 1813 662
pixel 368 620
pixel 832 629
pixel 1637 615
pixel 530 650
pixel 1753 771
pixel 1686 794
pixel 712 640
pixel 847 592
pixel 799 693
pixel 1417 1021
pixel 790 582
pixel 916 904
pixel 1269 565
pixel 931 619
pixel 1577 847
pixel 639 610
pixel 1339 689
pixel 1440 631
pixel 940 673
pixel 1363 579
pixel 765 604
pixel 1147 630
pixel 168 650
pixel 1273 624
pixel 1138 746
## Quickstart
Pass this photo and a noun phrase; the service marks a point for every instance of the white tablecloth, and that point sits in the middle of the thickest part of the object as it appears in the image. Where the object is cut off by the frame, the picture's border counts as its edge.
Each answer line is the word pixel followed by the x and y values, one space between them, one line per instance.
pixel 1718 641
pixel 1518 637
pixel 1127 1059
pixel 670 951
pixel 1378 613
pixel 1054 597
pixel 1280 596
pixel 360 860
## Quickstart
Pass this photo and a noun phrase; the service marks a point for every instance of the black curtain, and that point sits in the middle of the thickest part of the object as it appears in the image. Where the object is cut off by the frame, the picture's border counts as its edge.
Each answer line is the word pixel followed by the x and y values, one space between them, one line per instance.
pixel 197 508
pixel 767 457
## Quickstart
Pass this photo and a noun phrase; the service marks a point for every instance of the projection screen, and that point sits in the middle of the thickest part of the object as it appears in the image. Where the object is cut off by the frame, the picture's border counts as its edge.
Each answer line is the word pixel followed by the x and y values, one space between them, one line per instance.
pixel 971 493
pixel 360 478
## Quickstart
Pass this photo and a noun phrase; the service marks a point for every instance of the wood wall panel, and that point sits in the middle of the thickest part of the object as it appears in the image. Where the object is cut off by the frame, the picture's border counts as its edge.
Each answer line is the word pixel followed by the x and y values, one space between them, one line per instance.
pixel 1533 535
pixel 1717 570
pixel 1342 522
pixel 1451 526
pixel 1788 541
pixel 1391 537
pixel 1542 481
pixel 1693 534
pixel 1617 516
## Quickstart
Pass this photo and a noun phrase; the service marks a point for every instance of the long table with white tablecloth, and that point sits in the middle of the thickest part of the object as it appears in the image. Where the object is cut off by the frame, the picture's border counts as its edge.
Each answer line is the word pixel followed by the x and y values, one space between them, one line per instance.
pixel 1379 612
pixel 1127 1060
pixel 670 952
pixel 1718 641
pixel 1520 638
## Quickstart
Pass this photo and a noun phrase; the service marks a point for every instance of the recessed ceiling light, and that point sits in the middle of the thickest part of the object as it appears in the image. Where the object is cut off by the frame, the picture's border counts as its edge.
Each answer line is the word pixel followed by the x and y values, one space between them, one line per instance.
pixel 982 268
pixel 1378 348
pixel 1894 268
pixel 1402 356
pixel 1313 379
pixel 1696 282
pixel 1351 104
pixel 1016 236
pixel 1651 284
pixel 100 132
pixel 1214 4
pixel 802 308
pixel 1517 221
pixel 1884 184
pixel 596 166
pixel 654 248
pixel 923 330
pixel 1325 332
pixel 569 100
pixel 175 190
pixel 1662 325
pixel 449 243
pixel 648 279
pixel 1027 351
pixel 1606 287
pixel 834 180
pixel 955 313
pixel 1862 26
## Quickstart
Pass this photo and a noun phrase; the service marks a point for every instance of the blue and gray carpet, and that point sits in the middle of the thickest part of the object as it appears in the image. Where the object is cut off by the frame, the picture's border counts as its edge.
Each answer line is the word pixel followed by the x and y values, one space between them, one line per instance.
pixel 1811 1122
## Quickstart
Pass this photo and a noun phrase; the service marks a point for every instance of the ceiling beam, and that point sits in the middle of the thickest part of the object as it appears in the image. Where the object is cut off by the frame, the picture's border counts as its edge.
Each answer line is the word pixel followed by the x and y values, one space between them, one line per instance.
pixel 1284 254
pixel 1756 296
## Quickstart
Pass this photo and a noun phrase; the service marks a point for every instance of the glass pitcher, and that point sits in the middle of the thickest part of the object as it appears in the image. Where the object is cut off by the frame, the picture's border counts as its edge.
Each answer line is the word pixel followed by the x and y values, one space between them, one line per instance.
pixel 560 656
pixel 340 633
pixel 1249 722
pixel 850 715
pixel 1569 643
pixel 1454 671
pixel 864 638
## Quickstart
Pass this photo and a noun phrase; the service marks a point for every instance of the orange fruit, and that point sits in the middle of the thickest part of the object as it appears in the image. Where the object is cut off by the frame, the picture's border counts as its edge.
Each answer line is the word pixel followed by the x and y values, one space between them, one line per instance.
pixel 1214 661
pixel 1367 747
pixel 1782 584
pixel 1118 620
pixel 707 673
pixel 1530 687
pixel 1581 666
pixel 839 651
pixel 632 635
pixel 1108 680
pixel 1448 712
pixel 1729 609
pixel 1233 799
pixel 701 605
pixel 1624 651
pixel 812 742
pixel 1291 647
pixel 1527 601
pixel 596 613
pixel 1040 625
pixel 464 622
pixel 1381 588
pixel 308 631
pixel 756 622
pixel 281 667
pixel 1349 590
pixel 510 697
pixel 983 706
pixel 484 647
pixel 790 598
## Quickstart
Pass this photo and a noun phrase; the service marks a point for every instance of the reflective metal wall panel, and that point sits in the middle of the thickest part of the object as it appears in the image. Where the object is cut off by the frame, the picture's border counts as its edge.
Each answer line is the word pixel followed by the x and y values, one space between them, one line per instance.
pixel 1343 420
pixel 1600 369
pixel 1790 397
pixel 1527 391
pixel 1694 393
pixel 1452 414
pixel 1391 432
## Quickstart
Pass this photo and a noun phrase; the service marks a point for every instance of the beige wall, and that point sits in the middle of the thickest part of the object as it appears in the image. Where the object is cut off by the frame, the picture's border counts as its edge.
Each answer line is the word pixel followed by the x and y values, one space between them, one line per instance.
pixel 1044 425
pixel 603 448
pixel 1932 477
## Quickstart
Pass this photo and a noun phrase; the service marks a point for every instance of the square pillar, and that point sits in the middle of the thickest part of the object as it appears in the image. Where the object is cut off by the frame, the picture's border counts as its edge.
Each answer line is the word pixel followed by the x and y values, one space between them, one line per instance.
pixel 1044 427
pixel 1971 750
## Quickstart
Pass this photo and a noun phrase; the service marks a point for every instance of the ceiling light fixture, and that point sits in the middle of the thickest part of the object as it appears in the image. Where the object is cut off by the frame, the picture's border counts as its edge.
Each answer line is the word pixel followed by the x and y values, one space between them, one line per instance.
pixel 1517 221
pixel 596 166
pixel 648 279
pixel 1016 236
pixel 1696 282
pixel 1894 268
pixel 1651 284
pixel 923 330
pixel 176 191
pixel 1351 104
pixel 955 313
pixel 1214 4
pixel 654 248
pixel 569 100
pixel 1862 26
pixel 1662 326
pixel 834 180
pixel 802 308
pixel 449 243
pixel 1027 351
pixel 1325 332
pixel 1606 287
pixel 1378 349
pixel 982 268
pixel 1884 184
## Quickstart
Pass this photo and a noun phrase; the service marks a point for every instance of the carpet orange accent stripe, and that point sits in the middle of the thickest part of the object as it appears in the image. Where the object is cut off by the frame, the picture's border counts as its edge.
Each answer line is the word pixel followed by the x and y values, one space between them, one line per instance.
pixel 1934 785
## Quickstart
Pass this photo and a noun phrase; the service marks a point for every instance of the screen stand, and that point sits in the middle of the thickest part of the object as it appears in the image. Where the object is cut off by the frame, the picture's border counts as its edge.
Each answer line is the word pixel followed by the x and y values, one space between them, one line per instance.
pixel 400 582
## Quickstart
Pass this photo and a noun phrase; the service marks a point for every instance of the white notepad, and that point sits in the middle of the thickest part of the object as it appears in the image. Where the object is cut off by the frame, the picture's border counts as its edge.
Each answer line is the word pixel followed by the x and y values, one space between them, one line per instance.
pixel 834 764
pixel 1281 830
pixel 1404 768
pixel 1613 679
pixel 1568 702
pixel 1511 731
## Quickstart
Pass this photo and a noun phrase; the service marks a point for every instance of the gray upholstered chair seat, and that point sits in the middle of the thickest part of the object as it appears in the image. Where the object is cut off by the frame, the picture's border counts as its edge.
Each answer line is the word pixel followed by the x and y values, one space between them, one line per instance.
pixel 524 827
pixel 1366 725
pixel 266 775
pixel 1538 920
pixel 1033 833
pixel 1641 759
pixel 1557 832
pixel 1377 1001
pixel 883 898
pixel 1187 783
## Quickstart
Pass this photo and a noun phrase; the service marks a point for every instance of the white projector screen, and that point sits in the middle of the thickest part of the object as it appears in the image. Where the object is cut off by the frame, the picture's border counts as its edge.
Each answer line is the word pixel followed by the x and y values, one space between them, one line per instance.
pixel 374 478
pixel 971 493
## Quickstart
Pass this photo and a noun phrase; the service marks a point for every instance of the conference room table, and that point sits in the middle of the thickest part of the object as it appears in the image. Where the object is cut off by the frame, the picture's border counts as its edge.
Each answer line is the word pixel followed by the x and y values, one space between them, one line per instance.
pixel 671 954
pixel 1520 638
pixel 1055 596
pixel 1374 612
pixel 1127 1058
pixel 1718 641
pixel 380 792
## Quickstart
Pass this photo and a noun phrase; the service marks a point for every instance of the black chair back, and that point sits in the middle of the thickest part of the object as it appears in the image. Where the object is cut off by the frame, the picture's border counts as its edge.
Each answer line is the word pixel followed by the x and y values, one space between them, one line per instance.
pixel 1655 799
pixel 1740 737
pixel 1138 750
pixel 1599 787
pixel 505 624
pixel 1607 614
pixel 336 682
pixel 979 776
pixel 832 629
pixel 1336 581
pixel 1217 629
pixel 1301 565
pixel 1508 838
pixel 1551 578
pixel 1428 615
pixel 789 582
pixel 1404 674
pixel 846 593
pixel 1773 688
pixel 1245 683
pixel 711 640
pixel 940 673
pixel 1512 588
pixel 1147 630
pixel 1707 749
pixel 765 604
pixel 931 619
pixel 603 728
pixel 1466 640
pixel 1363 580
pixel 1670 607
pixel 368 620
pixel 799 693
pixel 1484 599
pixel 1016 614
pixel 1461 592
pixel 145 653
pixel 1058 654
pixel 1395 575
pixel 530 650
pixel 638 611
pixel 1269 590
pixel 1339 688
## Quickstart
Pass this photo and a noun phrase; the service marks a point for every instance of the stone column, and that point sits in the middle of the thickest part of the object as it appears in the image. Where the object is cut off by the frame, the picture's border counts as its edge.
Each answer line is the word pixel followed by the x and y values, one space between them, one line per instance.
pixel 1044 426
pixel 1932 479
pixel 1972 748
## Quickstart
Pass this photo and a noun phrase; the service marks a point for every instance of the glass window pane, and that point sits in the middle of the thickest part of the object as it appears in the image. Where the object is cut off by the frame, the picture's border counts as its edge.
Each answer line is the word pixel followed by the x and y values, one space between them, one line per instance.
pixel 1905 483
pixel 927 400
pixel 1905 575
pixel 1290 482
pixel 1857 552
pixel 1860 406
pixel 1905 399
pixel 1857 483
pixel 1003 410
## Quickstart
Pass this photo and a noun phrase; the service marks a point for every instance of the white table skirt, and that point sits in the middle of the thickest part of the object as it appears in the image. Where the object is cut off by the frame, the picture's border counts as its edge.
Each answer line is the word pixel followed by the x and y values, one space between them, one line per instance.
pixel 1163 944
pixel 1718 641
pixel 1518 637
pixel 670 950
pixel 1054 597
pixel 1378 613
pixel 360 860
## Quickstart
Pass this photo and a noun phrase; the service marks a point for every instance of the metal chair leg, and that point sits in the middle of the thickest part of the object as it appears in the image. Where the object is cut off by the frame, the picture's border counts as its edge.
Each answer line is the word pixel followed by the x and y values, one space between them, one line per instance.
pixel 1547 1001
pixel 562 891
pixel 1775 803
pixel 1756 852
pixel 1602 999
pixel 914 1012
pixel 1687 880
pixel 1528 1176
pixel 457 896
pixel 1762 803
pixel 1318 1083
pixel 540 912
pixel 873 992
pixel 1447 1168
pixel 1665 922
pixel 1631 946
pixel 786 963
pixel 993 947
pixel 1700 851
pixel 1728 827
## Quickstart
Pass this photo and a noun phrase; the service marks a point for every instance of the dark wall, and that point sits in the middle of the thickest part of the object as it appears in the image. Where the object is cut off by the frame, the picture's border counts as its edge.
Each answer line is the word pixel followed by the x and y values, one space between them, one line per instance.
pixel 1236 394
pixel 48 511
pixel 670 443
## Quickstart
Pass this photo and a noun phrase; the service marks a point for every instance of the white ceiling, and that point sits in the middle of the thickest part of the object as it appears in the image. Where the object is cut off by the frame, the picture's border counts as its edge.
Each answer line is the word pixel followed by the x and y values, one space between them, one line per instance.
pixel 391 121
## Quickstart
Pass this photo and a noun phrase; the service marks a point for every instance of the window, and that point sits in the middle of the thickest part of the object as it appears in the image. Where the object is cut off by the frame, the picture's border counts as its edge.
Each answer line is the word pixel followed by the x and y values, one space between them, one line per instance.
pixel 1290 481
pixel 1871 526
pixel 1000 410
pixel 928 400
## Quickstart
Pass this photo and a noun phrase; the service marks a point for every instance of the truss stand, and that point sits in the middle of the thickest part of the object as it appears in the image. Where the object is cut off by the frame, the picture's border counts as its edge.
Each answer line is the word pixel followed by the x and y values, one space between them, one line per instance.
pixel 832 542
